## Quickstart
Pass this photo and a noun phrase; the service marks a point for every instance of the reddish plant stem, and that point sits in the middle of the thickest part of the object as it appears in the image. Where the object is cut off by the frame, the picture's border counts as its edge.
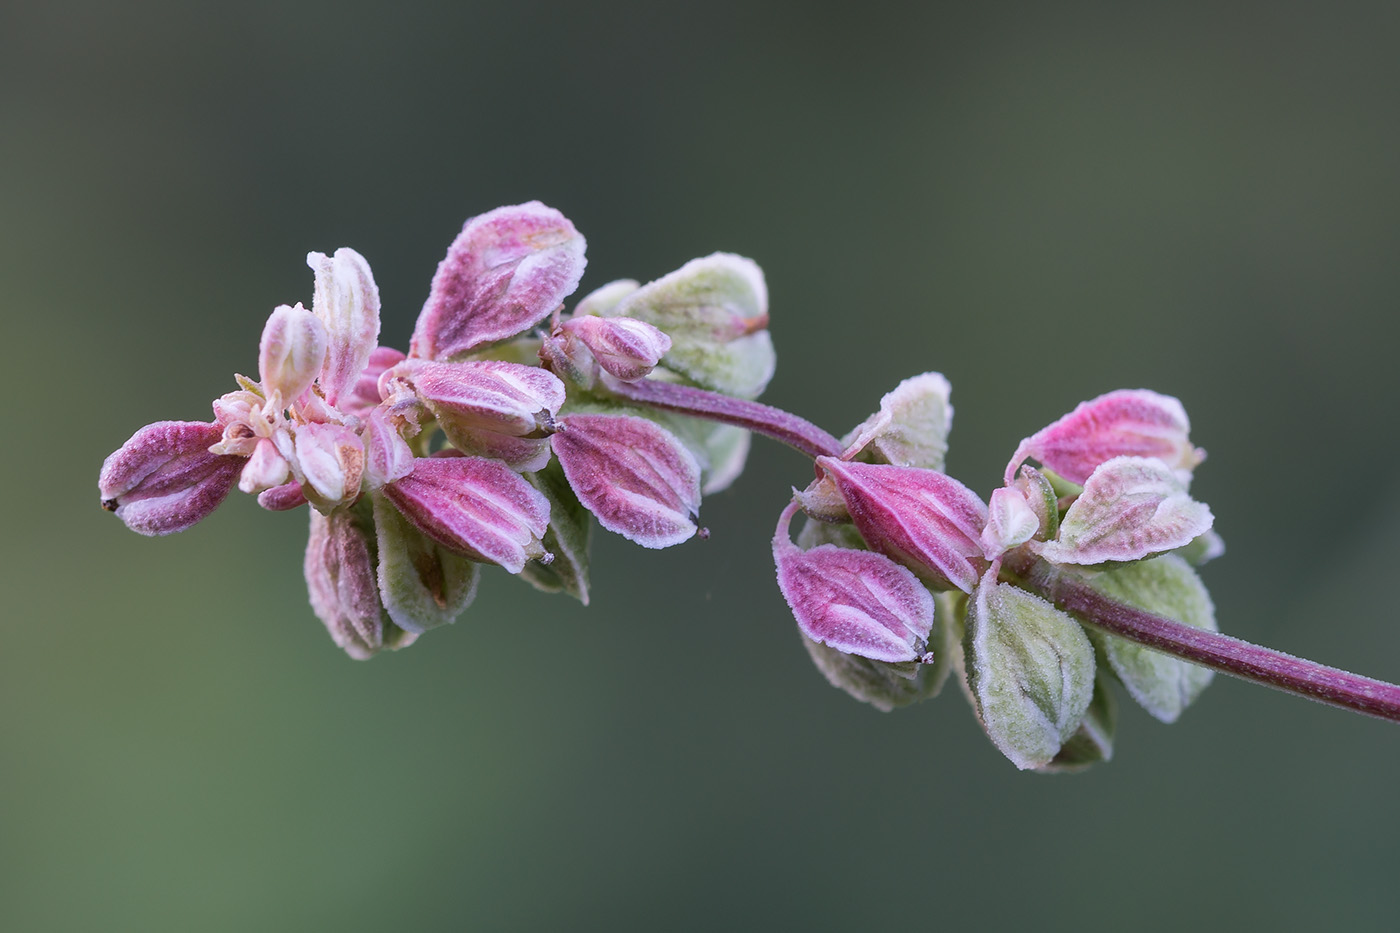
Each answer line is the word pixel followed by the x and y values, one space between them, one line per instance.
pixel 798 433
pixel 1223 653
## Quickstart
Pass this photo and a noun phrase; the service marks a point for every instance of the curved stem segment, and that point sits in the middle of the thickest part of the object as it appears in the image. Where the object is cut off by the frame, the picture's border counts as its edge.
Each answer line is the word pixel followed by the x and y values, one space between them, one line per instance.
pixel 798 433
pixel 1241 659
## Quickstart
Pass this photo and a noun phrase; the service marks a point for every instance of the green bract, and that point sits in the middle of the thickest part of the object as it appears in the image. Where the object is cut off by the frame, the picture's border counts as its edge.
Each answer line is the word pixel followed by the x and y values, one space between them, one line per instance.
pixel 715 310
pixel 911 427
pixel 423 585
pixel 566 538
pixel 1166 586
pixel 1030 672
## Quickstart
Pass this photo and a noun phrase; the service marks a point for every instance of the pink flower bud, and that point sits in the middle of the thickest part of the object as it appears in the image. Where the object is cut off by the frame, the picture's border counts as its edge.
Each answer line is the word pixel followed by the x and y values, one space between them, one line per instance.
pixel 474 506
pixel 502 398
pixel 506 271
pixel 291 353
pixel 625 347
pixel 342 584
pixel 282 498
pixel 1131 507
pixel 636 477
pixel 499 410
pixel 347 302
pixel 331 461
pixel 925 520
pixel 265 469
pixel 1125 423
pixel 164 479
pixel 858 602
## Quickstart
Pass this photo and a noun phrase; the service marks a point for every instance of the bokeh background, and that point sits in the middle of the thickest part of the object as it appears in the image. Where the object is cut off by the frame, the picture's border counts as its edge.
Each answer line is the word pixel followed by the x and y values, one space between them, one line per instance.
pixel 1043 201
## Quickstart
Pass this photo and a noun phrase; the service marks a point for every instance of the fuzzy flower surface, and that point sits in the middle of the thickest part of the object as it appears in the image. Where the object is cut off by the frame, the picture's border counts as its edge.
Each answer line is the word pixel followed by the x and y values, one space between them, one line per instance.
pixel 903 575
pixel 493 440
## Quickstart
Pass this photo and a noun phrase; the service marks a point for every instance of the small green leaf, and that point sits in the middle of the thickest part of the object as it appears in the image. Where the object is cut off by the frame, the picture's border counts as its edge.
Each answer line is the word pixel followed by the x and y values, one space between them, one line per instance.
pixel 1062 487
pixel 1030 670
pixel 1203 549
pixel 720 449
pixel 1165 586
pixel 602 300
pixel 570 528
pixel 423 585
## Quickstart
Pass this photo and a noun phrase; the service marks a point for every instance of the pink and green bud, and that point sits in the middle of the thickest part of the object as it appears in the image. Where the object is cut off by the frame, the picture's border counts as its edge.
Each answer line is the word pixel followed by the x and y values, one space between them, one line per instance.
pixel 715 310
pixel 857 602
pixel 636 477
pixel 476 507
pixel 624 347
pixel 329 462
pixel 507 271
pixel 925 520
pixel 164 479
pixel 1125 423
pixel 347 303
pixel 1131 507
pixel 1010 521
pixel 291 353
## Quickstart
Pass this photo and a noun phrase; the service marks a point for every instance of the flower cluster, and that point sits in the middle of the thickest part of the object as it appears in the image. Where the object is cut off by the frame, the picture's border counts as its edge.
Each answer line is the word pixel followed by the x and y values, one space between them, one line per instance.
pixel 510 425
pixel 490 442
pixel 905 575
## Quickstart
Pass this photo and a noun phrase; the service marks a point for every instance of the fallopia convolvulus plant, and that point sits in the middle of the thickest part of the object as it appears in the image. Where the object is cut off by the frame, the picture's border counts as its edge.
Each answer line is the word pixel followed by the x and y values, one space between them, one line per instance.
pixel 512 423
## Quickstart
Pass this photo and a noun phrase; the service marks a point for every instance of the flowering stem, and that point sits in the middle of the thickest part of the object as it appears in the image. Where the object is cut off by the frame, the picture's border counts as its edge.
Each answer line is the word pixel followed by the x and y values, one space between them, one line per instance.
pixel 1223 653
pixel 1241 659
pixel 798 433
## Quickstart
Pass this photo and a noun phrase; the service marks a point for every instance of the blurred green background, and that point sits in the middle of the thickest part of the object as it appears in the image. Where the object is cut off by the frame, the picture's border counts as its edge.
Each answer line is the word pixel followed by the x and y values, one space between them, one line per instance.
pixel 1043 201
